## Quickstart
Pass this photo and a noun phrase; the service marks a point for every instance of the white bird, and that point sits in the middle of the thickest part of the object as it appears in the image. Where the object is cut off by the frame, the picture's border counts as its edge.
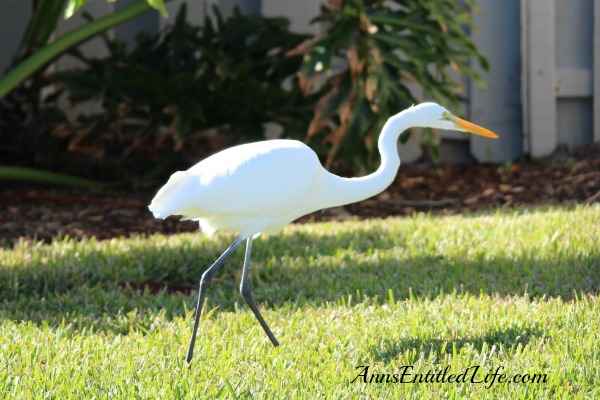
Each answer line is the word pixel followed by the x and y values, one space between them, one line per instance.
pixel 260 187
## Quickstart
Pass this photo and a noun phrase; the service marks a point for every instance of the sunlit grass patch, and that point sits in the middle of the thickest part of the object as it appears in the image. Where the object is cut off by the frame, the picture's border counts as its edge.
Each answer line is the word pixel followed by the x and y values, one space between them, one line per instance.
pixel 516 290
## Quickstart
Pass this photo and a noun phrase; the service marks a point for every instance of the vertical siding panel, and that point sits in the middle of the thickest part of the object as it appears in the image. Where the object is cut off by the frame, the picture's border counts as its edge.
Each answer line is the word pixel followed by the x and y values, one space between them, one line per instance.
pixel 574 70
pixel 499 106
pixel 539 76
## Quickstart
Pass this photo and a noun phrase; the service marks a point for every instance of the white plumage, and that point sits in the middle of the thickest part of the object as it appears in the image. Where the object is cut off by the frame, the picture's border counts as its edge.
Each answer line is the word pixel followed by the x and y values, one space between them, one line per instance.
pixel 260 187
pixel 237 190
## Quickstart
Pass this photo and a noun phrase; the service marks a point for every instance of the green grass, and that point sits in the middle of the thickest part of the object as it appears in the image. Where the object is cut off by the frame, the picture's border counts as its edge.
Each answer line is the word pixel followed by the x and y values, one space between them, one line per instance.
pixel 510 290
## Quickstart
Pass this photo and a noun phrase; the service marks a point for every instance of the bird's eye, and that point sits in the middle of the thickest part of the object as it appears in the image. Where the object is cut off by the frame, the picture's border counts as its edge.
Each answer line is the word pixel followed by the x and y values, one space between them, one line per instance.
pixel 446 115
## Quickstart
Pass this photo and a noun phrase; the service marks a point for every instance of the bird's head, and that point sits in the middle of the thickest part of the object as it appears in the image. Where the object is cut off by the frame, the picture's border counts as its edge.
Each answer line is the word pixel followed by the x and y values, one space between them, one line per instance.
pixel 432 115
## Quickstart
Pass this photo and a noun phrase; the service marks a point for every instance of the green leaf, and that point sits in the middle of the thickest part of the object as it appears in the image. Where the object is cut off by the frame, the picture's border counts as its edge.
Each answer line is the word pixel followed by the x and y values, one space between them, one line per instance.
pixel 73 6
pixel 62 44
pixel 414 40
pixel 160 6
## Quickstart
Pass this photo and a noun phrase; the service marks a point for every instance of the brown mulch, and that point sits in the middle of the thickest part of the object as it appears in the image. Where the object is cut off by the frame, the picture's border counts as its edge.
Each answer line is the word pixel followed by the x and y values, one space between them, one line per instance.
pixel 40 213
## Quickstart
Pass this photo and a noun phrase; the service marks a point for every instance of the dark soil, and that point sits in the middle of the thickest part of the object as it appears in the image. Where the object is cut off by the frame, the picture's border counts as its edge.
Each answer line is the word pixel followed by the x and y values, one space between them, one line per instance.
pixel 40 213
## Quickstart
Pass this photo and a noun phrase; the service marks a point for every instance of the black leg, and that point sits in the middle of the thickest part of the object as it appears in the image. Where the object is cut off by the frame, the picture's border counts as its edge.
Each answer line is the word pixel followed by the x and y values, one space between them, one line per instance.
pixel 206 278
pixel 247 293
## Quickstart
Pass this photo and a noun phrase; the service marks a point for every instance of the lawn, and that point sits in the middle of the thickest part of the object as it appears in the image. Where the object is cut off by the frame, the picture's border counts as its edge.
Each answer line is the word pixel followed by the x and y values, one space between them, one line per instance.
pixel 497 305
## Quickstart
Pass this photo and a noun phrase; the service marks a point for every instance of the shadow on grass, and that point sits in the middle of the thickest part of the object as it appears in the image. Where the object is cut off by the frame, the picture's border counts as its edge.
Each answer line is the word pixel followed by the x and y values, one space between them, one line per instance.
pixel 419 348
pixel 89 281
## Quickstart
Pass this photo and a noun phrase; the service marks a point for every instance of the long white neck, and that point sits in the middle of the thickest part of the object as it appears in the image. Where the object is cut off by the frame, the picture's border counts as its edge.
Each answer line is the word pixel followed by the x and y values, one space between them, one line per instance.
pixel 350 190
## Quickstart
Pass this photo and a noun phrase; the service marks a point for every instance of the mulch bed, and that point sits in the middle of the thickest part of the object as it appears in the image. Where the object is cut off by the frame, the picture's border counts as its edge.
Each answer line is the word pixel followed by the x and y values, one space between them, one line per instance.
pixel 40 213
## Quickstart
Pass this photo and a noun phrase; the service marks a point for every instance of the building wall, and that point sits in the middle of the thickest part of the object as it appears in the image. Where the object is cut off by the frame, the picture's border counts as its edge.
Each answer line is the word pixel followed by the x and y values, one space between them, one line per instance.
pixel 13 21
pixel 499 106
pixel 543 54
pixel 560 52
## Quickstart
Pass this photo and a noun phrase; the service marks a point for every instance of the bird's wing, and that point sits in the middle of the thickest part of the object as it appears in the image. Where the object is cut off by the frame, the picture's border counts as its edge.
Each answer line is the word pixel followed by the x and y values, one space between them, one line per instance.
pixel 256 180
pixel 265 180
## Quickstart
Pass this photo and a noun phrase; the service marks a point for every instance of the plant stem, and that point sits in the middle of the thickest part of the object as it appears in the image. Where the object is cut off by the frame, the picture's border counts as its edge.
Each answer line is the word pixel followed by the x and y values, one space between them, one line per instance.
pixel 51 178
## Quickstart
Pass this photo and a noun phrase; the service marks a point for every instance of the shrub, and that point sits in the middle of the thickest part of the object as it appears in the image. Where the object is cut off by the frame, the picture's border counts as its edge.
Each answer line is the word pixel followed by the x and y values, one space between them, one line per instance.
pixel 369 53
pixel 229 72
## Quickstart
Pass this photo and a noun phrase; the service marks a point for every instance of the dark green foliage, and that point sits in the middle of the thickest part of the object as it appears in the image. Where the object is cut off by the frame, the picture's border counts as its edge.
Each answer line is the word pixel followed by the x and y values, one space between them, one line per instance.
pixel 19 111
pixel 230 72
pixel 369 54
pixel 241 72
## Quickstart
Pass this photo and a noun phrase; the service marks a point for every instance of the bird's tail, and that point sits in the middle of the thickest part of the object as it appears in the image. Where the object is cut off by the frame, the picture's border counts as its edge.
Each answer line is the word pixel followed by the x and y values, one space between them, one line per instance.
pixel 172 198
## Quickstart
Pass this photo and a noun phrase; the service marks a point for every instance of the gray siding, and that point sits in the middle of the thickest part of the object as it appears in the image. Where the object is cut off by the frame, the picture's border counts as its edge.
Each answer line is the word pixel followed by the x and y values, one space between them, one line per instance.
pixel 544 55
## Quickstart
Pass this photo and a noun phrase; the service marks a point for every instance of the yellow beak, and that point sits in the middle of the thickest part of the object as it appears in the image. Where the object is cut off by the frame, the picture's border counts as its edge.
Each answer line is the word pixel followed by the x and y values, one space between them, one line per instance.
pixel 475 129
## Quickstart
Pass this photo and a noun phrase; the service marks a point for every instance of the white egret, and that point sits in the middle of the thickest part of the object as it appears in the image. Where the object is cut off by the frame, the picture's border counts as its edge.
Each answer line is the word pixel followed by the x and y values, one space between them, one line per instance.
pixel 260 187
